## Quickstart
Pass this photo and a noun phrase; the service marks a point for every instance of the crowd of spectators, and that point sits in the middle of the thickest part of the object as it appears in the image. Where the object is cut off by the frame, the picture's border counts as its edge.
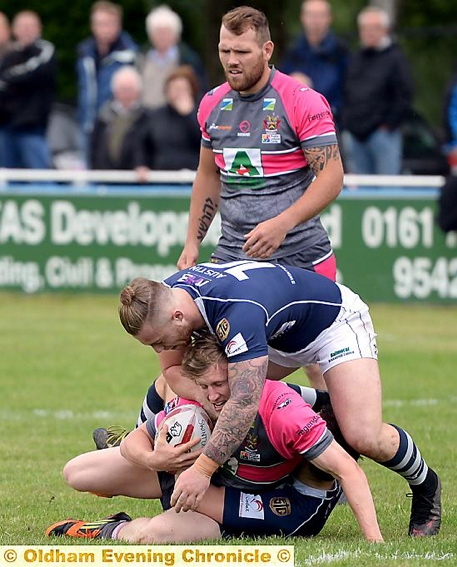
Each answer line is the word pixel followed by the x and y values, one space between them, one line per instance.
pixel 122 118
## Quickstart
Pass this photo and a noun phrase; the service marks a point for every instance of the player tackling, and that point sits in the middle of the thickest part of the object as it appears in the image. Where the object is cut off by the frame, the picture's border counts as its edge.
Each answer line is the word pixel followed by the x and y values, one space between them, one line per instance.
pixel 268 316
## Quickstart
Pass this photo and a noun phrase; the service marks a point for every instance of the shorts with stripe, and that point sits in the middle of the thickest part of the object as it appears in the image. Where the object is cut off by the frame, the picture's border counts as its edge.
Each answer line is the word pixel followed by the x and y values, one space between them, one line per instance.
pixel 288 510
pixel 350 337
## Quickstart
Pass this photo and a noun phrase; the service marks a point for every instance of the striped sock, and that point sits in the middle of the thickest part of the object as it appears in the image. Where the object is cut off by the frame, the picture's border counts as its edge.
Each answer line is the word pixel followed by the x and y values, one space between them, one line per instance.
pixel 408 461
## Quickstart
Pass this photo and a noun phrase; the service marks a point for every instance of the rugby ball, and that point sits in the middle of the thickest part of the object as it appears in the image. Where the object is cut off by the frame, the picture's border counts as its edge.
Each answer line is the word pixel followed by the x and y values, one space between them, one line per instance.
pixel 185 423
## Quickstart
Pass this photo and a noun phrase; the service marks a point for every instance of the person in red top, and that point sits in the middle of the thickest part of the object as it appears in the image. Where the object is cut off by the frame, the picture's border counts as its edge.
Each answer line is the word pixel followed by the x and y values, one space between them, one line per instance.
pixel 279 481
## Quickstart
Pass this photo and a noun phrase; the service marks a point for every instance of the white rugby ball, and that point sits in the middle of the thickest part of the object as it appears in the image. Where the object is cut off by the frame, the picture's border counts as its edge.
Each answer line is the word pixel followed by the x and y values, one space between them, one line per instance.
pixel 185 423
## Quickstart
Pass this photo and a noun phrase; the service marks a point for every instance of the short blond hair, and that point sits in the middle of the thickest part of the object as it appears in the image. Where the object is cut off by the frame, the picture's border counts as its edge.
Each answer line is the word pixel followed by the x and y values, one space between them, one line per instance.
pixel 203 352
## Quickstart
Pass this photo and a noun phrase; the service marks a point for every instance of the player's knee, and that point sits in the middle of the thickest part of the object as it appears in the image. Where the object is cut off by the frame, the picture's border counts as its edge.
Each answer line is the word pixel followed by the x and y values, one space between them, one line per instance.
pixel 70 474
pixel 366 444
pixel 153 531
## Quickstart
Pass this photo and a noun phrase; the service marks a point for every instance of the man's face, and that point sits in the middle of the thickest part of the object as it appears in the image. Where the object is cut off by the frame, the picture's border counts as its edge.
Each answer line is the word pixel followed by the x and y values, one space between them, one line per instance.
pixel 127 92
pixel 316 17
pixel 244 61
pixel 171 335
pixel 26 28
pixel 215 386
pixel 163 38
pixel 372 30
pixel 105 26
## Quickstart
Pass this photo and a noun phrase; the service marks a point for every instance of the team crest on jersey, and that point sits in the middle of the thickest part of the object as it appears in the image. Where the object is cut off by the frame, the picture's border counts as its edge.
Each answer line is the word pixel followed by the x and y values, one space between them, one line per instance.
pixel 280 506
pixel 272 123
pixel 269 104
pixel 237 345
pixel 227 104
pixel 222 329
pixel 271 134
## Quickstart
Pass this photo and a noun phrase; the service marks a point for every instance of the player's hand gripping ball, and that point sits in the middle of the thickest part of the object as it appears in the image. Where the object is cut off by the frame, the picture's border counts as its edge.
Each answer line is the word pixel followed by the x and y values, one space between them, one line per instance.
pixel 185 423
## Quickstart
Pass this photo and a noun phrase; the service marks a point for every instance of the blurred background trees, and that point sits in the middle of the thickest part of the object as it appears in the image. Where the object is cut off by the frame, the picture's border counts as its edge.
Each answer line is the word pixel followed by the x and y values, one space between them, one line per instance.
pixel 425 30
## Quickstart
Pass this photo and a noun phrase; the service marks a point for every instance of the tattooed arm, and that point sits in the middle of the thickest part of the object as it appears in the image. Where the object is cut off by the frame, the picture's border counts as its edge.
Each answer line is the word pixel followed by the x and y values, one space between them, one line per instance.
pixel 204 203
pixel 246 380
pixel 267 236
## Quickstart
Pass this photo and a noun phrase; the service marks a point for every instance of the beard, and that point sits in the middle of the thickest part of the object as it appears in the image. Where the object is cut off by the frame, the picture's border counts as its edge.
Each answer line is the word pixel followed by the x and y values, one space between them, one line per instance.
pixel 248 79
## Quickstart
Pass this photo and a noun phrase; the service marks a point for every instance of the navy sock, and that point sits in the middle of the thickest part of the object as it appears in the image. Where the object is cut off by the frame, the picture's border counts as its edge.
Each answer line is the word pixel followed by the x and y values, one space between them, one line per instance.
pixel 152 404
pixel 408 461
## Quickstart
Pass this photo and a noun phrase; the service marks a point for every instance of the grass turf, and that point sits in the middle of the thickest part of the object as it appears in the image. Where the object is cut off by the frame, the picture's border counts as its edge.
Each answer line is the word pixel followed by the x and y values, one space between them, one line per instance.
pixel 67 366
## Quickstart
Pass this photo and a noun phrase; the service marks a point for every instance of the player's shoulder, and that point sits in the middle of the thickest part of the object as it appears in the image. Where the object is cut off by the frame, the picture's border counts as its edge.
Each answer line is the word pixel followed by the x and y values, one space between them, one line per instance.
pixel 277 395
pixel 215 96
pixel 298 95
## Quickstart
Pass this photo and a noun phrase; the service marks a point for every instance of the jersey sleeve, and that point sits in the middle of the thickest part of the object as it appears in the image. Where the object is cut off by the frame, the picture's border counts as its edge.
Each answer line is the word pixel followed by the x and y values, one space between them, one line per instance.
pixel 207 104
pixel 313 119
pixel 292 426
pixel 241 331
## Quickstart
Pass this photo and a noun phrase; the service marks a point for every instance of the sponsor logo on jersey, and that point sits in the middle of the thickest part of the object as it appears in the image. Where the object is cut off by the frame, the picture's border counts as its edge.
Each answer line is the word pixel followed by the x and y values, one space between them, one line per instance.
pixel 340 353
pixel 243 162
pixel 271 138
pixel 319 115
pixel 251 506
pixel 307 428
pixel 237 345
pixel 283 329
pixel 244 127
pixel 284 404
pixel 223 329
pixel 269 104
pixel 193 279
pixel 227 104
pixel 214 126
pixel 280 506
pixel 251 456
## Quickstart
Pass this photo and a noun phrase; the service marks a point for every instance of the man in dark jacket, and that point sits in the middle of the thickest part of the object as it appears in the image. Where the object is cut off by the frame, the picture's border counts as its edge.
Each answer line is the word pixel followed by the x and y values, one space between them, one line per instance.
pixel 117 141
pixel 377 98
pixel 27 91
pixel 99 57
pixel 318 54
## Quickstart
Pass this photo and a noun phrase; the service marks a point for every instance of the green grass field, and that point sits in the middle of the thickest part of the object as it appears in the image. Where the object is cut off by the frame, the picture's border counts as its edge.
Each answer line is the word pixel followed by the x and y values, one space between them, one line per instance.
pixel 67 366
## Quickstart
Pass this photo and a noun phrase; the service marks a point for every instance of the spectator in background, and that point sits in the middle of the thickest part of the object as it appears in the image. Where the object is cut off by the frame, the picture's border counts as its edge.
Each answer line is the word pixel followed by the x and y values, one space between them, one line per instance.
pixel 447 202
pixel 98 58
pixel 377 98
pixel 450 123
pixel 167 51
pixel 27 92
pixel 318 53
pixel 5 45
pixel 173 131
pixel 118 141
pixel 5 34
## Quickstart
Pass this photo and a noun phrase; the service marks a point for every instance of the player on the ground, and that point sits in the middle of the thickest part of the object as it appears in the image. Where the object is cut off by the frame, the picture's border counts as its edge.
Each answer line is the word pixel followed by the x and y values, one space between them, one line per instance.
pixel 270 316
pixel 279 481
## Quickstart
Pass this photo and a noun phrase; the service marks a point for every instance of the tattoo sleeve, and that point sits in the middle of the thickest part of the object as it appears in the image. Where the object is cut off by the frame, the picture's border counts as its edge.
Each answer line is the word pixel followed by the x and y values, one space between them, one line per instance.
pixel 209 210
pixel 246 380
pixel 318 158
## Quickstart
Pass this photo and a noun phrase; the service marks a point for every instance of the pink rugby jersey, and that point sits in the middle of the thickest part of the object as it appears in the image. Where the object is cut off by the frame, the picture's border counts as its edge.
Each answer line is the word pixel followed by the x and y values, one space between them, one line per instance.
pixel 258 142
pixel 285 431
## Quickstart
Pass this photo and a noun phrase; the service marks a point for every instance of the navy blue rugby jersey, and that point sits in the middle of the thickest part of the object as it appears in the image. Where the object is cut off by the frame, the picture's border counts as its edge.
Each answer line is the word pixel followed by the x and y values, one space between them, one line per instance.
pixel 251 305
